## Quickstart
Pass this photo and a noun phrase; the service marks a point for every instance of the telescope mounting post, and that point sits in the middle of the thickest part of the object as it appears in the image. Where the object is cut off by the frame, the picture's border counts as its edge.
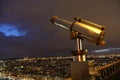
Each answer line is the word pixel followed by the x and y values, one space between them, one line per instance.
pixel 79 66
pixel 79 54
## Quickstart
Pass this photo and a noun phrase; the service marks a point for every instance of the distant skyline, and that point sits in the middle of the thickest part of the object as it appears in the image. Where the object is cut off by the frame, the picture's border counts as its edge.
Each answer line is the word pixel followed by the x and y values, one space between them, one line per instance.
pixel 26 30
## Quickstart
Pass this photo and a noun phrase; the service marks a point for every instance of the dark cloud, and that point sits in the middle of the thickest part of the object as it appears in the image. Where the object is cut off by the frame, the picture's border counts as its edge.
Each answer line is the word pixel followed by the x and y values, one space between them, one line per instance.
pixel 44 38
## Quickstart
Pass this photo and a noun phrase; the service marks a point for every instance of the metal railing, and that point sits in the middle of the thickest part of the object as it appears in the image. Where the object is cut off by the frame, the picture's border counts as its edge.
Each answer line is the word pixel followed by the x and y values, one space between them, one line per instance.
pixel 105 72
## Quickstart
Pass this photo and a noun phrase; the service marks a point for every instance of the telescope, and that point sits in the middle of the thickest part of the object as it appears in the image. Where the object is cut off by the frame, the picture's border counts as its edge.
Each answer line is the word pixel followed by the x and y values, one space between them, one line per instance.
pixel 84 29
pixel 81 29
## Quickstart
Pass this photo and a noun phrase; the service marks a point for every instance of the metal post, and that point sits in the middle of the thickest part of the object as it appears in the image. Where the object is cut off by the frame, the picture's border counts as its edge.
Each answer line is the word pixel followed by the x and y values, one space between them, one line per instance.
pixel 79 67
pixel 79 47
pixel 81 56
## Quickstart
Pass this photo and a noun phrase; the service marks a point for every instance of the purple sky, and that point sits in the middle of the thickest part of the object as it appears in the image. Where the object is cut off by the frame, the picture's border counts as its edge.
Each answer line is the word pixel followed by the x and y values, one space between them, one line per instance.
pixel 41 38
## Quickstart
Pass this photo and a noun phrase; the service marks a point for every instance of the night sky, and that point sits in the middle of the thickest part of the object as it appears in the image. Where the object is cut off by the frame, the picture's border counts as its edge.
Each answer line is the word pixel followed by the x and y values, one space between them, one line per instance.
pixel 26 30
